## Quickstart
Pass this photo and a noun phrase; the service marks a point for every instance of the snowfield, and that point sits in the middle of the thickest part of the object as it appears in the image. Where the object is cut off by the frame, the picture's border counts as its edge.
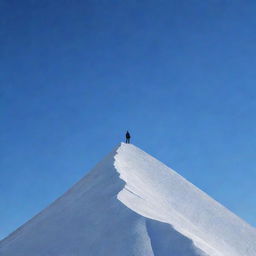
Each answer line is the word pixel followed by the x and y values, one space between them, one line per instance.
pixel 131 204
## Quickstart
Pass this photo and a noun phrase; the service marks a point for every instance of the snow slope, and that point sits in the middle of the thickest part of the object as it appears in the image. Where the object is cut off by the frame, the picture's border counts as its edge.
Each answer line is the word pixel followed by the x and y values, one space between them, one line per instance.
pixel 131 204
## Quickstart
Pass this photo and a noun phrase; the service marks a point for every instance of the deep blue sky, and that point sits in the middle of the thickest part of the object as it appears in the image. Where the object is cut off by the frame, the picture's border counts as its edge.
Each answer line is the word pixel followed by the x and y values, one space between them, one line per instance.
pixel 74 75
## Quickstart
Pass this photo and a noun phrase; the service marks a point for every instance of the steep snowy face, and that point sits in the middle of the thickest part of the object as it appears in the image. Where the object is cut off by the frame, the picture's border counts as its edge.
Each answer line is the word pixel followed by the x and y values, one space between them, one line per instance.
pixel 132 204
pixel 155 191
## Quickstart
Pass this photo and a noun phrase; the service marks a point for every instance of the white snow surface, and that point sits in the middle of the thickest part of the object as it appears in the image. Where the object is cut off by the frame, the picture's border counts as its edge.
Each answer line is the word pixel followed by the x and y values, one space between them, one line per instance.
pixel 131 204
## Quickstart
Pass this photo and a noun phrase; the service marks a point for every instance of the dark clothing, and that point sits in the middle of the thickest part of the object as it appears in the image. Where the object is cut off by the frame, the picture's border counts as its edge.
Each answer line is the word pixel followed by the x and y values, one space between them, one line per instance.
pixel 128 136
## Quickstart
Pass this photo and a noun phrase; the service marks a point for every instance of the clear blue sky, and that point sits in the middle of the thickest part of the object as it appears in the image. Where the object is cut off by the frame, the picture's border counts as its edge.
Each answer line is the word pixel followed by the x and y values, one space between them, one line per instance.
pixel 74 75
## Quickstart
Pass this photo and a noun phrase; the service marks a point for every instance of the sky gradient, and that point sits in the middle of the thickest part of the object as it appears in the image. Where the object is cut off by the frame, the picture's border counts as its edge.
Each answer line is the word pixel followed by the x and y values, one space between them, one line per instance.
pixel 75 75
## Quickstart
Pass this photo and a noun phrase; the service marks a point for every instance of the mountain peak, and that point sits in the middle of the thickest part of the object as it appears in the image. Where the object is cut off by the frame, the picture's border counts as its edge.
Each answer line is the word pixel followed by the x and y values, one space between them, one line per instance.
pixel 132 204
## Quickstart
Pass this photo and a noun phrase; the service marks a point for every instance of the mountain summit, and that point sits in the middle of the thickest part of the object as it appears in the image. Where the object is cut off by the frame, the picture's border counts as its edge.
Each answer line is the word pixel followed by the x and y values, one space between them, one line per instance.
pixel 131 204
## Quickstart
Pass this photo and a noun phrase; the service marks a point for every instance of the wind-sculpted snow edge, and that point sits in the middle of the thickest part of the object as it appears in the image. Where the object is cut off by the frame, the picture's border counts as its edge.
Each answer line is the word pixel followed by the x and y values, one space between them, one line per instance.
pixel 164 238
pixel 157 192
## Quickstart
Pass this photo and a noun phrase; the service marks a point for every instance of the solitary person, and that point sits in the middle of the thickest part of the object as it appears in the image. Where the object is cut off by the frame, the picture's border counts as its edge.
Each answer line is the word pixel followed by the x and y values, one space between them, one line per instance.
pixel 128 136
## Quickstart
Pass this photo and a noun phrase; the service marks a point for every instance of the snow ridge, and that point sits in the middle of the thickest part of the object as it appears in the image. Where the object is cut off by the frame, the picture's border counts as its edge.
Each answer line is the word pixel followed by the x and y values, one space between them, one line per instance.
pixel 132 204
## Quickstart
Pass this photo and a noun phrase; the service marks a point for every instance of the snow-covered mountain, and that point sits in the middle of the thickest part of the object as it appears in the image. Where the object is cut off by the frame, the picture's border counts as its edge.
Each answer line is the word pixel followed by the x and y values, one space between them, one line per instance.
pixel 131 204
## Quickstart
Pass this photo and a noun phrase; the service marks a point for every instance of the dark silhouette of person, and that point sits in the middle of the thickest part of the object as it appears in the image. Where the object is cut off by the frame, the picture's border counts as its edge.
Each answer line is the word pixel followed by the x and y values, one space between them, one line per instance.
pixel 128 136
